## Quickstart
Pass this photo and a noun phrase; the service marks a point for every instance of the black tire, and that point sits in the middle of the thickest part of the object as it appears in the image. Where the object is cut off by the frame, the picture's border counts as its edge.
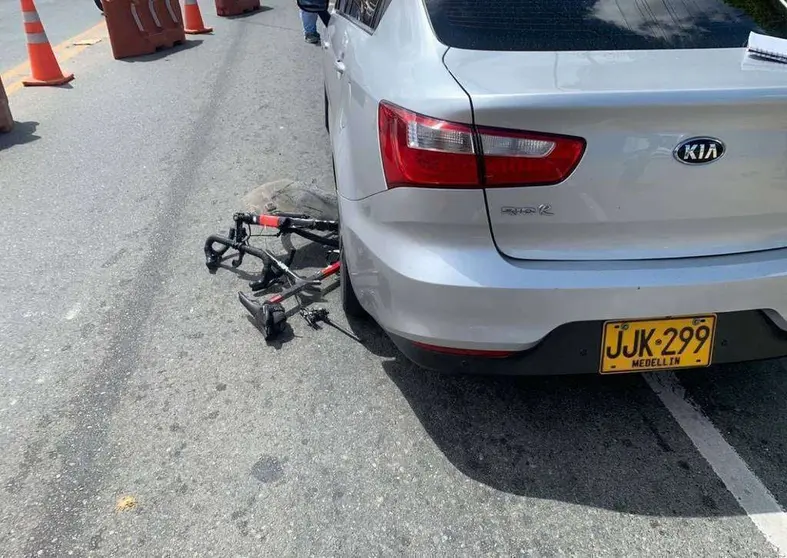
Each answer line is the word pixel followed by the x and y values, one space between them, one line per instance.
pixel 325 93
pixel 333 167
pixel 350 303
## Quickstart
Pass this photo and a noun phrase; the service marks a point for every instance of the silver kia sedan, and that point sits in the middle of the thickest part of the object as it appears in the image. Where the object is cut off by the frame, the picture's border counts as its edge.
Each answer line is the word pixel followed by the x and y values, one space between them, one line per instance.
pixel 561 186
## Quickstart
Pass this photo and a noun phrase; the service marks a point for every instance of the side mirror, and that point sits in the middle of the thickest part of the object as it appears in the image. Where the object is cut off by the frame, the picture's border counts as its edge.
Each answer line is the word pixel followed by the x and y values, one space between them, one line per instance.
pixel 313 5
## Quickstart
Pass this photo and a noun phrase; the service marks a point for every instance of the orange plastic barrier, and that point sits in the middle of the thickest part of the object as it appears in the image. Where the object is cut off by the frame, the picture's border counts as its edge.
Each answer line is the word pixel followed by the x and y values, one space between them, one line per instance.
pixel 44 68
pixel 138 27
pixel 236 7
pixel 6 120
pixel 194 24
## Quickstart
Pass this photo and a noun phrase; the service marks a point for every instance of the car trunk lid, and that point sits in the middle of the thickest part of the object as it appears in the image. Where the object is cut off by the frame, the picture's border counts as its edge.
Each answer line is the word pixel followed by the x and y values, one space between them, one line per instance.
pixel 635 194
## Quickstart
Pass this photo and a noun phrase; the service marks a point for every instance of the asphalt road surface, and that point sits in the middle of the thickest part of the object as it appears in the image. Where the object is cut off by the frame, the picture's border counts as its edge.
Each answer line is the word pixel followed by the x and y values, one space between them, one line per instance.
pixel 61 20
pixel 130 372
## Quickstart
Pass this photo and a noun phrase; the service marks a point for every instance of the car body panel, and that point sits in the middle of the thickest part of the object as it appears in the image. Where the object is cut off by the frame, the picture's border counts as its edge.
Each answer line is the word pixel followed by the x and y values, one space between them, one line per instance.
pixel 427 278
pixel 630 198
pixel 367 81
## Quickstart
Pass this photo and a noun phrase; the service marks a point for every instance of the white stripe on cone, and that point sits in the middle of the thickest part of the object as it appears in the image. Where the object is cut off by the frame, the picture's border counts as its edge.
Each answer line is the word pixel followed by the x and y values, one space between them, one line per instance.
pixel 37 38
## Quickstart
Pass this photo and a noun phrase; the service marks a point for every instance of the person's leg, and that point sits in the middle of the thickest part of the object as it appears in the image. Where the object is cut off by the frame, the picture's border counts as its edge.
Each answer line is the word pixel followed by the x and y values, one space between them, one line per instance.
pixel 309 20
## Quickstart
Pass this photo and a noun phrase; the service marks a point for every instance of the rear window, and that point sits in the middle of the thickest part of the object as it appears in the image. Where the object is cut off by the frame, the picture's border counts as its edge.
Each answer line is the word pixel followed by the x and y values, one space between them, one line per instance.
pixel 562 25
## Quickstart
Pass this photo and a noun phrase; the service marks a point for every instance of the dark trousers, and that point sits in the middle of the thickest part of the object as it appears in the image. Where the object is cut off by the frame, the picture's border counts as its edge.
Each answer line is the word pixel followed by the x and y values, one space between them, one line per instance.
pixel 309 20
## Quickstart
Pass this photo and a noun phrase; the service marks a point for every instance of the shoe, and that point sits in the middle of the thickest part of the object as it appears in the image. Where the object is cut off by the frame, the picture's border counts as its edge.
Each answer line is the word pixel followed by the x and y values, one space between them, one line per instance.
pixel 313 38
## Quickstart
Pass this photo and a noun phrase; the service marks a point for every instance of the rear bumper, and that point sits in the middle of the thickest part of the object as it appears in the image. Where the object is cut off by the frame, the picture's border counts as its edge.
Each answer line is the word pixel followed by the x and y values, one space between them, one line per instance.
pixel 575 349
pixel 425 267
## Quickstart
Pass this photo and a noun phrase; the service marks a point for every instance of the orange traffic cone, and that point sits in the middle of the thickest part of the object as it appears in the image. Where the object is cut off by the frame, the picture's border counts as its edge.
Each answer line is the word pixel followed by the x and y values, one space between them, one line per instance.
pixel 43 64
pixel 193 24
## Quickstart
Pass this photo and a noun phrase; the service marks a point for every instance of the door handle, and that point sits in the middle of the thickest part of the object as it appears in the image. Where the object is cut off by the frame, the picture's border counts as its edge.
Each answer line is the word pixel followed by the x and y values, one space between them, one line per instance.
pixel 339 65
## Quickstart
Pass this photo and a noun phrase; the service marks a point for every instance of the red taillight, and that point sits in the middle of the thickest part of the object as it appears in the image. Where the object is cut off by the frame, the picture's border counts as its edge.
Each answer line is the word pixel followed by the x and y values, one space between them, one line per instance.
pixel 422 151
pixel 463 352
pixel 525 158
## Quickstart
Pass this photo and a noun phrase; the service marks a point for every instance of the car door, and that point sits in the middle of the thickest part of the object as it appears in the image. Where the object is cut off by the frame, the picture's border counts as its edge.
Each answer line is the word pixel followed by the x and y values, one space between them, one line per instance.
pixel 354 106
pixel 334 45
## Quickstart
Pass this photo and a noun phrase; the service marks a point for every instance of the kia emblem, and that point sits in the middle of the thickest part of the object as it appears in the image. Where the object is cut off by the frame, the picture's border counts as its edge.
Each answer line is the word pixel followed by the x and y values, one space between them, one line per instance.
pixel 699 151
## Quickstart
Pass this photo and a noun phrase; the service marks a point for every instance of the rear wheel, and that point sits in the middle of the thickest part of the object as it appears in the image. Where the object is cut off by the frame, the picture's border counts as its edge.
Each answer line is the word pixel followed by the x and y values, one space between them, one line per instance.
pixel 350 303
pixel 325 94
pixel 333 167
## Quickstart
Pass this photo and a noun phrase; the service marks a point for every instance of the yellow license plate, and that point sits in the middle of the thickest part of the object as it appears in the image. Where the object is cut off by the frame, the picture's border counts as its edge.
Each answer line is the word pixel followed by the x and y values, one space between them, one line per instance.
pixel 642 345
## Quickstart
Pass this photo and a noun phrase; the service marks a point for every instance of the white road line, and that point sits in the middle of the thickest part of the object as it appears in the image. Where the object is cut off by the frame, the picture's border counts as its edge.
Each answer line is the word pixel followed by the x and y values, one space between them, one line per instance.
pixel 753 496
